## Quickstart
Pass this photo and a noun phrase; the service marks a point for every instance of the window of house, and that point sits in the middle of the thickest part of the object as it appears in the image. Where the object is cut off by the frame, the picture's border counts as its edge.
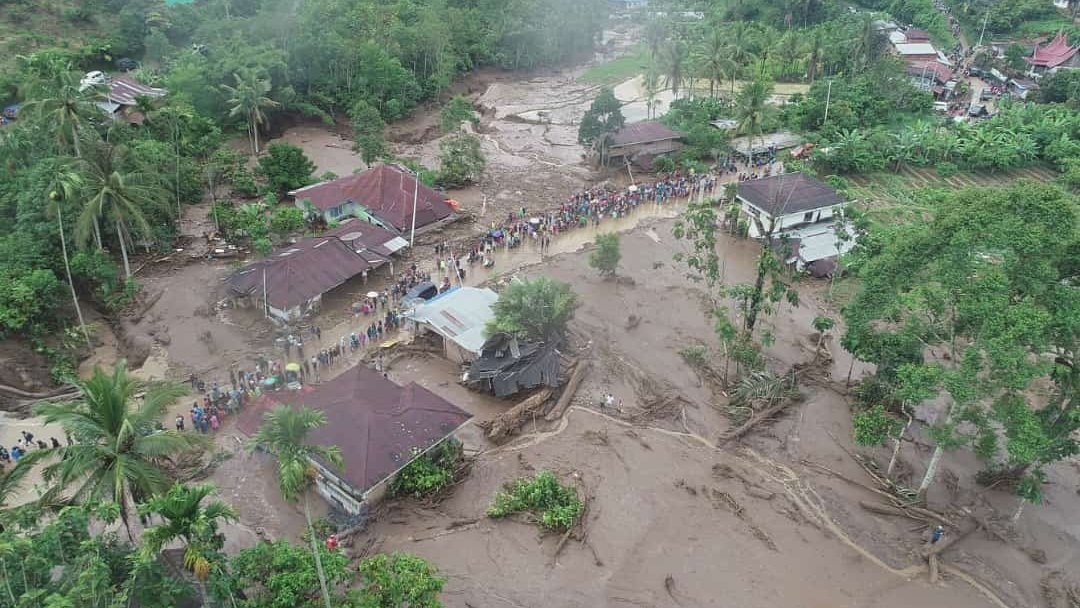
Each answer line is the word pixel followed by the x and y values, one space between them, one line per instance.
pixel 335 211
pixel 808 216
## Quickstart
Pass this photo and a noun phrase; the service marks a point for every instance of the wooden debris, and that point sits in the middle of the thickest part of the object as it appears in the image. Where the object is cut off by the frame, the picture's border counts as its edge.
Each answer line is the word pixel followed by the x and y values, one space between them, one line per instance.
pixel 501 427
pixel 569 392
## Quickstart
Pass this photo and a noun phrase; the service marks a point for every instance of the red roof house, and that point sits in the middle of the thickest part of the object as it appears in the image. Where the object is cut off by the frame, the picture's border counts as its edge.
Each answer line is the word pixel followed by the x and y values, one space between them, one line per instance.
pixel 382 194
pixel 1054 54
pixel 378 425
pixel 291 281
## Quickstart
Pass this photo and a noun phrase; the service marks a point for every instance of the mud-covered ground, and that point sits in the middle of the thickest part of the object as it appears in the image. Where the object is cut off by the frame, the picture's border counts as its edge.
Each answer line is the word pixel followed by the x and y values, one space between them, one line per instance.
pixel 675 518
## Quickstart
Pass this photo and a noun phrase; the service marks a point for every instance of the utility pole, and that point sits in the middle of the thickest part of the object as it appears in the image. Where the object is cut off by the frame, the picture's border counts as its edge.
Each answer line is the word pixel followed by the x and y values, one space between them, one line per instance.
pixel 828 98
pixel 415 194
pixel 985 19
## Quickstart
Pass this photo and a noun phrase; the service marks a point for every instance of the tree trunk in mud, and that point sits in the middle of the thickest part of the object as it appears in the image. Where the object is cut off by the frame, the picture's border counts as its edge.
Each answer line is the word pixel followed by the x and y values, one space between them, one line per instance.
pixel 1019 510
pixel 931 471
pixel 315 554
pixel 898 441
pixel 123 250
pixel 67 270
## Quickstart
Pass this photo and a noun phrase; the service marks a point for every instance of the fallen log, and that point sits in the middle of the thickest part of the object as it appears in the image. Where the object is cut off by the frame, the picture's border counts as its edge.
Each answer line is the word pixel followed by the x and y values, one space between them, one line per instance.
pixel 569 392
pixel 887 510
pixel 756 419
pixel 501 427
pixel 933 568
pixel 56 392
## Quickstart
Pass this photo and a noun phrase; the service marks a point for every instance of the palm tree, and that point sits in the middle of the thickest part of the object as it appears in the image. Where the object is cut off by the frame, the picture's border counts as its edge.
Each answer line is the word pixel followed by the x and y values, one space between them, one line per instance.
pixel 651 83
pixel 66 185
pixel 814 52
pixel 187 519
pixel 118 452
pixel 869 43
pixel 248 99
pixel 113 192
pixel 64 106
pixel 741 45
pixel 673 64
pixel 284 433
pixel 751 108
pixel 713 60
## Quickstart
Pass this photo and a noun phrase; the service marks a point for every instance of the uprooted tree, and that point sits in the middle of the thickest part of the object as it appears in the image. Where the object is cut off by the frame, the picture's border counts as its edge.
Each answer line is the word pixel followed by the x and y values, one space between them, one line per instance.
pixel 974 306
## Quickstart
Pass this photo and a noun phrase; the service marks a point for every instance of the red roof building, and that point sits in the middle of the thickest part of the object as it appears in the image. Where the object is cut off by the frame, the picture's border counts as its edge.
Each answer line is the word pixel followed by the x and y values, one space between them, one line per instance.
pixel 290 282
pixel 378 425
pixel 382 194
pixel 1053 54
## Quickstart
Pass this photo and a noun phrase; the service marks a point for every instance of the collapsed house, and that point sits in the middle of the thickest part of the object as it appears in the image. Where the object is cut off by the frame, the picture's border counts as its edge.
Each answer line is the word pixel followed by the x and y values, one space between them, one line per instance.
pixel 507 366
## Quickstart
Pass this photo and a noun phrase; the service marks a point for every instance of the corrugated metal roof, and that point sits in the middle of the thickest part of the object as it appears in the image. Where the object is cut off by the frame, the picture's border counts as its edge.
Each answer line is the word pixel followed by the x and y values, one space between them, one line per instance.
pixel 918 48
pixel 123 90
pixel 364 236
pixel 643 132
pixel 378 426
pixel 459 315
pixel 818 242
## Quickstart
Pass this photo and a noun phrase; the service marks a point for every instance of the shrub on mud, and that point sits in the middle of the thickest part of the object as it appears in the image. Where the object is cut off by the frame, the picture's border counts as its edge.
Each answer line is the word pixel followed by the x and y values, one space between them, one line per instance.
pixel 556 505
pixel 429 474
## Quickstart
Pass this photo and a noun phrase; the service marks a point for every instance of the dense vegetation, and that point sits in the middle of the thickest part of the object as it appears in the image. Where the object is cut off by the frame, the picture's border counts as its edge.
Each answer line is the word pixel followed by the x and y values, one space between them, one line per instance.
pixel 554 506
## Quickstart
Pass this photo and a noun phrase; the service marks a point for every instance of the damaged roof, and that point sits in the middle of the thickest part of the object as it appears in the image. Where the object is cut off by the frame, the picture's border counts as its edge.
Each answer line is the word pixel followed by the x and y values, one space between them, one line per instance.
pixel 459 315
pixel 512 365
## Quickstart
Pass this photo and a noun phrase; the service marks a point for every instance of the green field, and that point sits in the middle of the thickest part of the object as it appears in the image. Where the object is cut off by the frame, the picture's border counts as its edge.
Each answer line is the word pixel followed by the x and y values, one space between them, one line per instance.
pixel 618 70
pixel 892 188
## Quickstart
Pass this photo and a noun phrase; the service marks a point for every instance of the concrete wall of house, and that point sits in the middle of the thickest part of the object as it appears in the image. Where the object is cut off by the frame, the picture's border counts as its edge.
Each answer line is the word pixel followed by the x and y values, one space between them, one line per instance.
pixel 785 221
pixel 456 353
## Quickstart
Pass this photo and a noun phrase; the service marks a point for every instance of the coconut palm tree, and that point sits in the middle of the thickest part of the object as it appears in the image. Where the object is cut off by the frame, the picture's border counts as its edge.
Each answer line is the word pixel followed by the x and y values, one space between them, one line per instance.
pixel 713 61
pixel 815 49
pixel 65 107
pixel 741 45
pixel 66 185
pixel 187 519
pixel 248 99
pixel 751 109
pixel 284 433
pixel 673 62
pixel 118 451
pixel 651 83
pixel 115 193
pixel 869 43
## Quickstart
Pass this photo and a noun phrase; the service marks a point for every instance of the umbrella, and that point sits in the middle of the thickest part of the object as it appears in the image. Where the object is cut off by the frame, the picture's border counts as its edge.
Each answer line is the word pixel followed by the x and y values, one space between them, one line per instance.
pixel 496 233
pixel 632 188
pixel 534 220
pixel 292 367
pixel 372 294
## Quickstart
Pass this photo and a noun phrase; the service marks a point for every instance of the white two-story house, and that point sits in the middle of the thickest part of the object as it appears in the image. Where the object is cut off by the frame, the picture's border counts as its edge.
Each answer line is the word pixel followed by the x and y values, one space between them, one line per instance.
pixel 774 204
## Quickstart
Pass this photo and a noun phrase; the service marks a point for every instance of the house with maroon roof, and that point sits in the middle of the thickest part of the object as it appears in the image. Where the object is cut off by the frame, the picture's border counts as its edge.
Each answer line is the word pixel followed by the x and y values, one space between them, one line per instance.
pixel 382 195
pixel 290 282
pixel 1056 54
pixel 642 142
pixel 379 426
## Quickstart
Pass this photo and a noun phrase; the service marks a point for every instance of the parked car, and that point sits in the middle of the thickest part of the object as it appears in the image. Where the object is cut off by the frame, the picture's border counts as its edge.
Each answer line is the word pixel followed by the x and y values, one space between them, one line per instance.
pixel 419 294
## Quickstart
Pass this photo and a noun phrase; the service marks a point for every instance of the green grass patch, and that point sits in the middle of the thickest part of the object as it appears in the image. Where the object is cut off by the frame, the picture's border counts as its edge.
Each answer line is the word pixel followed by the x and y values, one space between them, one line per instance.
pixel 619 70
pixel 556 506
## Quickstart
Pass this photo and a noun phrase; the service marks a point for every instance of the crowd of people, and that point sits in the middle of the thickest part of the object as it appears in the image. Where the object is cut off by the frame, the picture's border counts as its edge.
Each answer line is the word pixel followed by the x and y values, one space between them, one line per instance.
pixel 26 444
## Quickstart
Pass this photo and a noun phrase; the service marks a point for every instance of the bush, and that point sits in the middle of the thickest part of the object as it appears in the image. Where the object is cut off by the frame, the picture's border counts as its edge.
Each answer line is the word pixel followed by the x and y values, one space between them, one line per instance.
pixel 460 160
pixel 455 112
pixel 874 426
pixel 399 580
pixel 286 168
pixel 663 164
pixel 557 505
pixel 286 220
pixel 947 169
pixel 243 182
pixel 605 257
pixel 430 473
pixel 694 355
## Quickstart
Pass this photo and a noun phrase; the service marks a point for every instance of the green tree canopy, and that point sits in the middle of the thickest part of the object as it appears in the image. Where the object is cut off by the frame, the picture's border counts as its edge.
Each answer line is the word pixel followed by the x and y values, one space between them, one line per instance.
pixel 286 168
pixel 537 309
pixel 368 127
pixel 461 161
pixel 976 304
pixel 605 258
pixel 118 452
pixel 456 111
pixel 603 118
